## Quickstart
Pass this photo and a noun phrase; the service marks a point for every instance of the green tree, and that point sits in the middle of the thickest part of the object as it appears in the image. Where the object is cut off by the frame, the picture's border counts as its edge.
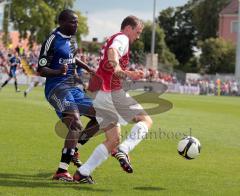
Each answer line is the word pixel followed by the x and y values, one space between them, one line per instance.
pixel 218 56
pixel 167 22
pixel 137 46
pixel 192 66
pixel 82 26
pixel 5 38
pixel 164 54
pixel 180 33
pixel 137 52
pixel 206 16
pixel 36 19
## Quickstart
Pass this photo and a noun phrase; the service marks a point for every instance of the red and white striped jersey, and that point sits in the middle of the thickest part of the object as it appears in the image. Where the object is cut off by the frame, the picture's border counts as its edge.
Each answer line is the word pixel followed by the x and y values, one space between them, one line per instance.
pixel 109 80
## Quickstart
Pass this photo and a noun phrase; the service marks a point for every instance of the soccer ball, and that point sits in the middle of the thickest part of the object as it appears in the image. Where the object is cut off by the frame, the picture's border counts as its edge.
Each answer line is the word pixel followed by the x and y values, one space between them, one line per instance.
pixel 189 147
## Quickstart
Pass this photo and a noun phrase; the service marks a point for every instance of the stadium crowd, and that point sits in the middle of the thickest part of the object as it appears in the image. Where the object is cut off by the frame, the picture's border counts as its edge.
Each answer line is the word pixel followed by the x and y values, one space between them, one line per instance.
pixel 203 86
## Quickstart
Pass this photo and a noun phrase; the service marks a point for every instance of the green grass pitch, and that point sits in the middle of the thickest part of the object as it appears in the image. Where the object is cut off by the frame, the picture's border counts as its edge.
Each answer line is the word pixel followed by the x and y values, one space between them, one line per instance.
pixel 30 150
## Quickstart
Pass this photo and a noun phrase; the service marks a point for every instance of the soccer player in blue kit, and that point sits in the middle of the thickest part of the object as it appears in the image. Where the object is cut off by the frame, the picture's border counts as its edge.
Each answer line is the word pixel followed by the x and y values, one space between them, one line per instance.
pixel 58 64
pixel 15 62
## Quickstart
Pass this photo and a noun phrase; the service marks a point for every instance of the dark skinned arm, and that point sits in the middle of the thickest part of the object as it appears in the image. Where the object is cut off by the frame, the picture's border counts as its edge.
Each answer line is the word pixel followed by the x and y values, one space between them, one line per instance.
pixel 48 72
pixel 84 66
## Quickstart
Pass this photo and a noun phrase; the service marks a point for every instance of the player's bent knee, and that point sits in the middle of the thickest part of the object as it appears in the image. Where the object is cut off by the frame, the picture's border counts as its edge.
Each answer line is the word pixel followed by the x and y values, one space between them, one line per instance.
pixel 144 118
pixel 76 125
pixel 73 123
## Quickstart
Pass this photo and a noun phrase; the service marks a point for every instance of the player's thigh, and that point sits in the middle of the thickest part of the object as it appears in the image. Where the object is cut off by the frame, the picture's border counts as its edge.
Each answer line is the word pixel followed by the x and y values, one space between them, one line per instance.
pixel 106 119
pixel 116 107
pixel 63 101
pixel 72 121
pixel 84 103
pixel 127 107
pixel 106 114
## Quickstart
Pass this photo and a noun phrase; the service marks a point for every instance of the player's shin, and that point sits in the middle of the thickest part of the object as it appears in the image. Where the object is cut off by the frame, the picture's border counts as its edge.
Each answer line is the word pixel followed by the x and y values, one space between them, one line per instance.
pixel 4 84
pixel 74 126
pixel 90 130
pixel 137 134
pixel 16 86
pixel 99 155
pixel 66 157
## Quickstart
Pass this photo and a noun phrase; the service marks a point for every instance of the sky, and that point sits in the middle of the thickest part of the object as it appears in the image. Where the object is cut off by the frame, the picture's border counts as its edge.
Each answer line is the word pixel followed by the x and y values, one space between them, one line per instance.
pixel 104 17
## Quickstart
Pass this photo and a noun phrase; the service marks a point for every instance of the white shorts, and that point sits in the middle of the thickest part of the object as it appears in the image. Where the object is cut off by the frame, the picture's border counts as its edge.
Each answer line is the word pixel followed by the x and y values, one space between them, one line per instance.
pixel 116 107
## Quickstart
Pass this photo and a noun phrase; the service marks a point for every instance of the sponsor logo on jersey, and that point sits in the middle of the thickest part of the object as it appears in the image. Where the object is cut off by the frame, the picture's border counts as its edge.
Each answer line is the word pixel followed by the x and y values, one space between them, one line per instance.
pixel 67 61
pixel 120 49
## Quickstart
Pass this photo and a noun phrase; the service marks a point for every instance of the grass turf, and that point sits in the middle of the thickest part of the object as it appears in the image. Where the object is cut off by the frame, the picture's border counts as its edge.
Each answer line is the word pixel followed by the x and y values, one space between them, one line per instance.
pixel 30 150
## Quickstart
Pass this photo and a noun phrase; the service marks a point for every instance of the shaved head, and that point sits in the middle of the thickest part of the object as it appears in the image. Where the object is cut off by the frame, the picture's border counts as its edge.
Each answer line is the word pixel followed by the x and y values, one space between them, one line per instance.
pixel 65 15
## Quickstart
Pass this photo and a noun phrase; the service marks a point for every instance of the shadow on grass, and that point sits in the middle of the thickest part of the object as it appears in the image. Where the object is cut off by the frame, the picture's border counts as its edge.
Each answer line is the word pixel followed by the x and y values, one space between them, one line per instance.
pixel 149 188
pixel 38 176
pixel 42 180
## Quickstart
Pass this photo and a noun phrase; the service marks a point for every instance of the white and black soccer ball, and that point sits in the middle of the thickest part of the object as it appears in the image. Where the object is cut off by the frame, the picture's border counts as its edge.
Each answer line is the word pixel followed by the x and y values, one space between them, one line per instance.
pixel 189 147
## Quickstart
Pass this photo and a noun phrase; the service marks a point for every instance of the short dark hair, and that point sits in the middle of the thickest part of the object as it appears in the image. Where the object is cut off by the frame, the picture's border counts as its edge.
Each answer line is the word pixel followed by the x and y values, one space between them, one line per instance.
pixel 133 21
pixel 64 14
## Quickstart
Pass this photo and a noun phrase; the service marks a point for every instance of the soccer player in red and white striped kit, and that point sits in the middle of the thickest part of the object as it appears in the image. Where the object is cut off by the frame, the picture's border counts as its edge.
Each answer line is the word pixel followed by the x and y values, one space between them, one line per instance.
pixel 114 107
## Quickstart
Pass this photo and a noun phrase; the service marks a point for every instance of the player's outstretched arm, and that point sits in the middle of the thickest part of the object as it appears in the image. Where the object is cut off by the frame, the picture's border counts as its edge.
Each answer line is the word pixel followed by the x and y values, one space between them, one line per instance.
pixel 48 72
pixel 135 75
pixel 84 66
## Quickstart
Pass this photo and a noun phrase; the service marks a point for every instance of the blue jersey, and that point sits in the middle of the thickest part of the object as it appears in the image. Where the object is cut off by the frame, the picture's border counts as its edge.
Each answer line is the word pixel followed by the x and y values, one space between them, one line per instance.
pixel 14 61
pixel 57 50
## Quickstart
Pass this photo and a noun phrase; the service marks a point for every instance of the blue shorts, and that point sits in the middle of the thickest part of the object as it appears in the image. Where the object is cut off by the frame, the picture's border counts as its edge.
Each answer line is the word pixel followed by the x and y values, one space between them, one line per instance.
pixel 12 73
pixel 69 100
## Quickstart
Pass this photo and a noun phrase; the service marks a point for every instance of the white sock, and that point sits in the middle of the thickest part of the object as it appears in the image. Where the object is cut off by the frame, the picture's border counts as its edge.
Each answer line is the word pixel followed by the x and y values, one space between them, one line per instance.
pixel 30 87
pixel 99 155
pixel 137 134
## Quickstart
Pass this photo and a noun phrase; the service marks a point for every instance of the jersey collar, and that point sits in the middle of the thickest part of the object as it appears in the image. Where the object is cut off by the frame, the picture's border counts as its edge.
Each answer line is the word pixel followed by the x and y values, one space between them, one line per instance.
pixel 64 36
